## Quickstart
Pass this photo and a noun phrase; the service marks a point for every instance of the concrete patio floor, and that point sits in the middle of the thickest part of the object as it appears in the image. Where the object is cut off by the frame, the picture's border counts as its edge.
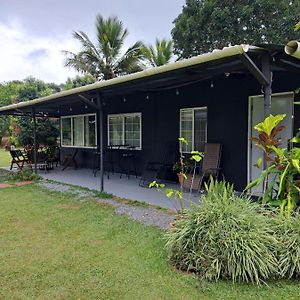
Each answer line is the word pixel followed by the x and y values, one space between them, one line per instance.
pixel 120 187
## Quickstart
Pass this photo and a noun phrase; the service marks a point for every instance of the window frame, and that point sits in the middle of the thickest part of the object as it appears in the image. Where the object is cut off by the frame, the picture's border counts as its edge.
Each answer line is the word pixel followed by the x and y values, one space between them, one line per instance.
pixel 72 131
pixel 193 124
pixel 123 116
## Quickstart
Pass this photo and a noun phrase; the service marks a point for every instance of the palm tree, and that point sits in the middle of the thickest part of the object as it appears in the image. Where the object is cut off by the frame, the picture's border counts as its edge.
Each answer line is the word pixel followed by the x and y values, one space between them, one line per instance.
pixel 159 55
pixel 104 60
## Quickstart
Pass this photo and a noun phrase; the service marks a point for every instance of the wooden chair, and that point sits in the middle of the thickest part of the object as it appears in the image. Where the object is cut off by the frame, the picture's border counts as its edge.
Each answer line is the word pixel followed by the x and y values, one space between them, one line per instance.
pixel 210 167
pixel 70 160
pixel 18 158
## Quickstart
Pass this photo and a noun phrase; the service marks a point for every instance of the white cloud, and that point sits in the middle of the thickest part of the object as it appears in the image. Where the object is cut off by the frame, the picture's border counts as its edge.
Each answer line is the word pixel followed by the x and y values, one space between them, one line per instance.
pixel 23 55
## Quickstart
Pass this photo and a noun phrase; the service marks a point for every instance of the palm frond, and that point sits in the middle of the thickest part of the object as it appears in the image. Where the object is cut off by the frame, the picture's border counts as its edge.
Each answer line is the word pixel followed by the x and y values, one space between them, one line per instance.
pixel 159 55
pixel 131 61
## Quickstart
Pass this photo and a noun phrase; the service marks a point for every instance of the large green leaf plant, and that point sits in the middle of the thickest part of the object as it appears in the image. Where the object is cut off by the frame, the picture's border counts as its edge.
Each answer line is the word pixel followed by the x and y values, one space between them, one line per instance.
pixel 281 174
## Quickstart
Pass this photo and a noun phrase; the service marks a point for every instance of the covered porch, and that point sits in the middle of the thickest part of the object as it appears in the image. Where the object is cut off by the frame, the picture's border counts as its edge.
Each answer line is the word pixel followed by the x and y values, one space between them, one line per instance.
pixel 120 187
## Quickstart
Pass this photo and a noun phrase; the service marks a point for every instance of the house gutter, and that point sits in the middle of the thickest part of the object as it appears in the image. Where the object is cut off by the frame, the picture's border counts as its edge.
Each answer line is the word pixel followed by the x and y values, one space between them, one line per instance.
pixel 292 48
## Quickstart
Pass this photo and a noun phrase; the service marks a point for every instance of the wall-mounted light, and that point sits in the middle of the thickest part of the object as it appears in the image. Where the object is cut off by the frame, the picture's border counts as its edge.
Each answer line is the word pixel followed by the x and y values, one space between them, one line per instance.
pixel 177 92
pixel 124 99
pixel 212 85
pixel 58 111
pixel 147 97
pixel 71 109
pixel 85 106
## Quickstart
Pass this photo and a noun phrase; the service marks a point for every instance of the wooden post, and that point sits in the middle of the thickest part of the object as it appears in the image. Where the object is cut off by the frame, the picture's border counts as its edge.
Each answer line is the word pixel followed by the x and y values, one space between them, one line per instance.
pixel 100 139
pixel 34 140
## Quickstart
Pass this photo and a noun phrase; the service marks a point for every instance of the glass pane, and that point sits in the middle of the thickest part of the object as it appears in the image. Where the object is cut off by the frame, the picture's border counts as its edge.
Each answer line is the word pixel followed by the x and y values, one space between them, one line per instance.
pixel 115 130
pixel 90 131
pixel 200 128
pixel 186 126
pixel 133 130
pixel 78 131
pixel 66 131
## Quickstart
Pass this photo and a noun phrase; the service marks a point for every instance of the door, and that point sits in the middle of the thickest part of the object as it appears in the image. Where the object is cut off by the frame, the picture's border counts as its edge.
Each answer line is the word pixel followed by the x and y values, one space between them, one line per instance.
pixel 281 104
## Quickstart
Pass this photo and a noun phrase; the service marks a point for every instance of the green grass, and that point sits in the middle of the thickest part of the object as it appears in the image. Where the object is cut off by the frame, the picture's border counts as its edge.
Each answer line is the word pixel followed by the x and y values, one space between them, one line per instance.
pixel 4 158
pixel 54 247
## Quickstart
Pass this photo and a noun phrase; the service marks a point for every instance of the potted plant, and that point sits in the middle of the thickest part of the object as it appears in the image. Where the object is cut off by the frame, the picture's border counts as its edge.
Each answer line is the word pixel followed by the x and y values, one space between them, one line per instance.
pixel 180 167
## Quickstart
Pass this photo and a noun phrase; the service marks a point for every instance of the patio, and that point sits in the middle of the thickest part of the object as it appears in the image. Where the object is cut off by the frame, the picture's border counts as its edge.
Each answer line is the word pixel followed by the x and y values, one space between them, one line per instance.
pixel 120 187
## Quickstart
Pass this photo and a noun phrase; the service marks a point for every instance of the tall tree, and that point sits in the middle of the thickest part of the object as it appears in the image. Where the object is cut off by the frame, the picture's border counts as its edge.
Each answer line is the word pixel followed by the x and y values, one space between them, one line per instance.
pixel 104 59
pixel 20 129
pixel 204 25
pixel 160 54
pixel 78 81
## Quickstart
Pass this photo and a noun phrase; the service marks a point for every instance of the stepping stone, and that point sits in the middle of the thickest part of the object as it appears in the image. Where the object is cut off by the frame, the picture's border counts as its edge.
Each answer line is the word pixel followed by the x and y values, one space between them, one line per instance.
pixel 5 185
pixel 21 183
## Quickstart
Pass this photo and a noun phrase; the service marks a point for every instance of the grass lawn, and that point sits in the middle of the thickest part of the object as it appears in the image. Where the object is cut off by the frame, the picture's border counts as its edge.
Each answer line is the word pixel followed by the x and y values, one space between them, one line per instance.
pixel 55 247
pixel 5 158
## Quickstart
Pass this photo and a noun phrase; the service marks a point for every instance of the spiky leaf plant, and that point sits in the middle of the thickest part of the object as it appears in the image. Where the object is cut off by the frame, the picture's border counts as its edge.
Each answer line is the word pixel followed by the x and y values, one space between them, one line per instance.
pixel 225 237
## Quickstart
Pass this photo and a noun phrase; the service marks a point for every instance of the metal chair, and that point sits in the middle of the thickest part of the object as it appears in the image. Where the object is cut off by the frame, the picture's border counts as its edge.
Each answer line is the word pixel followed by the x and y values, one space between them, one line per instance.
pixel 162 169
pixel 70 160
pixel 210 167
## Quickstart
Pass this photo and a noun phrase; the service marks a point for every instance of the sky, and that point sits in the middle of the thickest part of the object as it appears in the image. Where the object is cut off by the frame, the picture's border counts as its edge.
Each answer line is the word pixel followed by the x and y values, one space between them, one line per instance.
pixel 33 33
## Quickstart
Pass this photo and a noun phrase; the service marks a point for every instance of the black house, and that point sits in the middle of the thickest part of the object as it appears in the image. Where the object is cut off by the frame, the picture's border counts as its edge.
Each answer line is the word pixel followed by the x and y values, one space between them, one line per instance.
pixel 216 97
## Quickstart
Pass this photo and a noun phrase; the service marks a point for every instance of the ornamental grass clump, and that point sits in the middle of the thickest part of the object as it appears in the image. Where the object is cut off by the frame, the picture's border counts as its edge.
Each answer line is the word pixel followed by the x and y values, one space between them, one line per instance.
pixel 288 234
pixel 224 238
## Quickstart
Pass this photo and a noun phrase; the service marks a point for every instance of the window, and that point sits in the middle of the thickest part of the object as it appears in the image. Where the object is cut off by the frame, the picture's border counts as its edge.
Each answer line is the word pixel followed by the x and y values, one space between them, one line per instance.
pixel 79 131
pixel 66 131
pixel 193 127
pixel 125 129
pixel 90 131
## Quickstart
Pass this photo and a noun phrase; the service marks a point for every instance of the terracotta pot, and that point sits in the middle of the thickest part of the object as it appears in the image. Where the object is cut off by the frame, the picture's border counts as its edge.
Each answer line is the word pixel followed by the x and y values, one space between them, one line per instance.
pixel 180 178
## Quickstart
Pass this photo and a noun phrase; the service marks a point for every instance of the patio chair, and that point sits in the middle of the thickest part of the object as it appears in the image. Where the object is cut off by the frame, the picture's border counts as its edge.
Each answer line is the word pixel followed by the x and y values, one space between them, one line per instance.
pixel 70 160
pixel 53 156
pixel 210 167
pixel 161 170
pixel 18 158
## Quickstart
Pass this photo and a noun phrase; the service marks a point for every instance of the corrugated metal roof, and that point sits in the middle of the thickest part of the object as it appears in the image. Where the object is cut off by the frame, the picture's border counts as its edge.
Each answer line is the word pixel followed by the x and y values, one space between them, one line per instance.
pixel 185 63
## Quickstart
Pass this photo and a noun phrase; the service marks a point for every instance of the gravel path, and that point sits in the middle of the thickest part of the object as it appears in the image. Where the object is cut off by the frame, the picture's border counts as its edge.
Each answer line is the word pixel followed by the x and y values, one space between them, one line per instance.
pixel 147 215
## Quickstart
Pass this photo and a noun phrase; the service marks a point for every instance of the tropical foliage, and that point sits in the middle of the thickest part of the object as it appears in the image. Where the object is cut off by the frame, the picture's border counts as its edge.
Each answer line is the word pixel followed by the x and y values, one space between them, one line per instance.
pixel 104 59
pixel 160 54
pixel 19 129
pixel 224 238
pixel 204 25
pixel 78 81
pixel 281 176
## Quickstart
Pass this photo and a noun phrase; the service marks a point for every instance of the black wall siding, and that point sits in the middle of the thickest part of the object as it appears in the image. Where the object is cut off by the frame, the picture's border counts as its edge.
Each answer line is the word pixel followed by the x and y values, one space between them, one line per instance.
pixel 227 104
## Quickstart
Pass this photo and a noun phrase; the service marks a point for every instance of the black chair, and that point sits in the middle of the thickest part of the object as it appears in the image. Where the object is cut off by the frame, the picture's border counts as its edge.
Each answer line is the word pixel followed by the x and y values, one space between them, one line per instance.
pixel 163 168
pixel 108 161
pixel 70 160
pixel 127 161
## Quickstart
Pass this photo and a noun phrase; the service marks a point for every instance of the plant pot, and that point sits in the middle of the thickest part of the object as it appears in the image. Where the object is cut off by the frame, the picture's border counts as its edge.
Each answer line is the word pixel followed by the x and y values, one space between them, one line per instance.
pixel 180 178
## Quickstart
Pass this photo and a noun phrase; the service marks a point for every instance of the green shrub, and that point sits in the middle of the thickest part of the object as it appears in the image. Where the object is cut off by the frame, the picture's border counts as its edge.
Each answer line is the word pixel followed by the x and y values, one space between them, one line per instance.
pixel 288 233
pixel 23 175
pixel 224 237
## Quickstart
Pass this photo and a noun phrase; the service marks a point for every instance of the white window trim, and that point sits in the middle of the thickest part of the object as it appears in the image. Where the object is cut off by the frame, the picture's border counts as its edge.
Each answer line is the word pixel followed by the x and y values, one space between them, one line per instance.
pixel 72 134
pixel 123 127
pixel 193 123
